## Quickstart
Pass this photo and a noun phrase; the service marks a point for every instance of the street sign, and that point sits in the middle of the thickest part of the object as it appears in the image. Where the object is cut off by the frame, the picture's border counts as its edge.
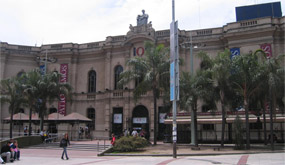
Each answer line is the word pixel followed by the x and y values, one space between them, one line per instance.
pixel 174 62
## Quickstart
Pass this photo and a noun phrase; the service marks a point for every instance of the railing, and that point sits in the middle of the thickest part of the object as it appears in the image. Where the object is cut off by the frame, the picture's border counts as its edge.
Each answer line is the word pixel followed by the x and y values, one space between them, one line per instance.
pixel 163 33
pixel 118 94
pixel 58 46
pixel 248 23
pixel 204 32
pixel 91 96
pixel 27 48
pixel 92 45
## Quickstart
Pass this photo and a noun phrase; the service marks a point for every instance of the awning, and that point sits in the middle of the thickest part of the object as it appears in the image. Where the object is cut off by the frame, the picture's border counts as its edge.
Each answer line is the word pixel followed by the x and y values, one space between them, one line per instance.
pixel 75 117
pixel 18 116
pixel 280 119
pixel 22 117
pixel 55 116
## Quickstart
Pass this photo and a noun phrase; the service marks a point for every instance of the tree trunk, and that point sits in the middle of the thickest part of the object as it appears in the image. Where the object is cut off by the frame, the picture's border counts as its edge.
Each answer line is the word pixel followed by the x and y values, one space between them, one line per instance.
pixel 42 121
pixel 271 119
pixel 223 119
pixel 223 125
pixel 30 122
pixel 247 123
pixel 155 117
pixel 264 121
pixel 195 122
pixel 11 123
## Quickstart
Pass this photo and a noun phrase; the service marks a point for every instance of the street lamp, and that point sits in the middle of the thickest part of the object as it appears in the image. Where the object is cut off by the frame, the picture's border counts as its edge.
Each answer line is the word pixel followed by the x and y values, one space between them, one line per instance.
pixel 193 114
pixel 46 60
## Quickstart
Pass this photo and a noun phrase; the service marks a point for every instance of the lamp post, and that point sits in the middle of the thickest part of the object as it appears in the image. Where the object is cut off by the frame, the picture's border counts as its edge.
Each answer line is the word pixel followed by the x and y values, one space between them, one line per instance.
pixel 44 60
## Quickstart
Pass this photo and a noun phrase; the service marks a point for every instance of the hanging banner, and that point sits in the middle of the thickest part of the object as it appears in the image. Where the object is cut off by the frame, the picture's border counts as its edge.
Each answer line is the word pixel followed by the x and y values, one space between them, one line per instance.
pixel 234 52
pixel 42 69
pixel 63 79
pixel 267 49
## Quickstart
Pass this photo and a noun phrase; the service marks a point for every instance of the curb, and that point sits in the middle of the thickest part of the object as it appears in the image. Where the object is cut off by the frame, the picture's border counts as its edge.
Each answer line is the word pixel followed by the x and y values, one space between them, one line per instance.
pixel 194 154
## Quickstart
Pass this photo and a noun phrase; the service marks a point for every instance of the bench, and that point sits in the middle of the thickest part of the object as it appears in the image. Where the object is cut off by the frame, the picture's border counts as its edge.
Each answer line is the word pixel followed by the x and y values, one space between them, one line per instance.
pixel 195 148
pixel 217 148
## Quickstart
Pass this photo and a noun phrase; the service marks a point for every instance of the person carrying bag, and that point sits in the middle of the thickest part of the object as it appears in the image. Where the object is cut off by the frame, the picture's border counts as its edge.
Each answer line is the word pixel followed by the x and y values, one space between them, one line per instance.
pixel 63 143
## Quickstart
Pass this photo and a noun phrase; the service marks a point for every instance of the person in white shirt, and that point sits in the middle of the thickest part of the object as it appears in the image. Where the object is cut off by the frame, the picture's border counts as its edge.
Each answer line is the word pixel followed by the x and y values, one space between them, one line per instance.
pixel 134 133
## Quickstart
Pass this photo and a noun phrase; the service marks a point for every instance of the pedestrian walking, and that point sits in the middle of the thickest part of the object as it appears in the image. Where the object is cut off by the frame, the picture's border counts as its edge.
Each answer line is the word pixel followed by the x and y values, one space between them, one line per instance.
pixel 64 143
pixel 113 139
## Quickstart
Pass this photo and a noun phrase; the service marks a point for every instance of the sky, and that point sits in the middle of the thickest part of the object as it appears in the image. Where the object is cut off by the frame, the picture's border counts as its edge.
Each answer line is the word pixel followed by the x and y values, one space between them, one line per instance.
pixel 41 22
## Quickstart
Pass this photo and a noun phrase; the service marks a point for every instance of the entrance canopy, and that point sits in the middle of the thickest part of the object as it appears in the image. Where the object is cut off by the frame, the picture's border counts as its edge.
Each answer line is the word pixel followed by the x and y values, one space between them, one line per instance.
pixel 18 116
pixel 22 117
pixel 55 116
pixel 75 117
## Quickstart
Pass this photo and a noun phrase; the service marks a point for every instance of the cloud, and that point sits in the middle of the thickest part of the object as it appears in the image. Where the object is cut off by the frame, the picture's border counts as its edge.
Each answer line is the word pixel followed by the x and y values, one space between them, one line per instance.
pixel 30 22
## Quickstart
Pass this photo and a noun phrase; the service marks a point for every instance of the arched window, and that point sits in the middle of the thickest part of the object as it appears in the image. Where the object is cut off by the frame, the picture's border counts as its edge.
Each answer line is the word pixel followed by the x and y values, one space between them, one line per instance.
pixel 118 71
pixel 21 110
pixel 91 115
pixel 52 110
pixel 92 81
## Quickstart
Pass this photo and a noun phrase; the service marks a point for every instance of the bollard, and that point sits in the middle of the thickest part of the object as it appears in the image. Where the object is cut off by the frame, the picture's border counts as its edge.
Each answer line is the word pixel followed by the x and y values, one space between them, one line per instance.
pixel 98 146
pixel 104 144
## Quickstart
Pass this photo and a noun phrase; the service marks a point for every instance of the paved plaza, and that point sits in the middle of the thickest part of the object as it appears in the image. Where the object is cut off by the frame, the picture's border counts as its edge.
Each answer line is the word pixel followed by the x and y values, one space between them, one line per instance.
pixel 153 155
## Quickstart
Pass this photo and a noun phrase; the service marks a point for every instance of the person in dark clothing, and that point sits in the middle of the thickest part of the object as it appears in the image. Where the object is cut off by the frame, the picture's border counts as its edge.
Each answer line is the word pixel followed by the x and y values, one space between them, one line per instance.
pixel 63 143
pixel 6 151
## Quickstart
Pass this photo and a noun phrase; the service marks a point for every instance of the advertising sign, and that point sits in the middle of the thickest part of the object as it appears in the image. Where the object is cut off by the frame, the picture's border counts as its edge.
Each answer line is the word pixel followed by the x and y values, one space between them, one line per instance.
pixel 234 52
pixel 118 118
pixel 63 79
pixel 162 117
pixel 267 49
pixel 139 120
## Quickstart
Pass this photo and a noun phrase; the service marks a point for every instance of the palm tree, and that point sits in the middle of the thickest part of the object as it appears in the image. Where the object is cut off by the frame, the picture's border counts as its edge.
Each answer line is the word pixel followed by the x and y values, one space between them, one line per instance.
pixel 220 69
pixel 247 73
pixel 272 86
pixel 11 89
pixel 31 91
pixel 41 89
pixel 51 89
pixel 192 88
pixel 147 72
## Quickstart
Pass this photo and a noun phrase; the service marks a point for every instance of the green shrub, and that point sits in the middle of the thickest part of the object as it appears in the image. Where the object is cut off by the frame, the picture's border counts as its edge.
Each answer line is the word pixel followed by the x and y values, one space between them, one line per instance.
pixel 25 141
pixel 129 143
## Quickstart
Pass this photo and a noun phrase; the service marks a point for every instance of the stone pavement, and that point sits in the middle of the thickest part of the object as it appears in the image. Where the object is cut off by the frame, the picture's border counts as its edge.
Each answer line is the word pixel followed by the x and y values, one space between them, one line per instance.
pixel 159 153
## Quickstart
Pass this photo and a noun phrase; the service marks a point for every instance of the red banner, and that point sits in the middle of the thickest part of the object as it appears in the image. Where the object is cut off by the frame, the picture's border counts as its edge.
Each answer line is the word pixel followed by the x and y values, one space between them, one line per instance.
pixel 267 49
pixel 63 79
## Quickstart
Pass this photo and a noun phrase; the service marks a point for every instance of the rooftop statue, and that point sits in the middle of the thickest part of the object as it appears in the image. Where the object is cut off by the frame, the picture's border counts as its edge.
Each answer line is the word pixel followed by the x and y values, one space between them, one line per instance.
pixel 142 19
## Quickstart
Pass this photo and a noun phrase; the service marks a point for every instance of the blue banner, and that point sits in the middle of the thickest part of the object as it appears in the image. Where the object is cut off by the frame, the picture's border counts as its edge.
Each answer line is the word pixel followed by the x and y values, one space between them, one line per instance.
pixel 234 52
pixel 42 69
pixel 172 84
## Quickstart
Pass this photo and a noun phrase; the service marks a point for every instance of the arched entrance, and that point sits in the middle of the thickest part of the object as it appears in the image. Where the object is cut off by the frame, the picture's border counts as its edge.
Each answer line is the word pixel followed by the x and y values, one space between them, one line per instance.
pixel 140 119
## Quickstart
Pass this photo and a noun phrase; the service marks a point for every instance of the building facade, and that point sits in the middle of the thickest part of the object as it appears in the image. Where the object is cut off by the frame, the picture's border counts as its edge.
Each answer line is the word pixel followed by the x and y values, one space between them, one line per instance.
pixel 93 69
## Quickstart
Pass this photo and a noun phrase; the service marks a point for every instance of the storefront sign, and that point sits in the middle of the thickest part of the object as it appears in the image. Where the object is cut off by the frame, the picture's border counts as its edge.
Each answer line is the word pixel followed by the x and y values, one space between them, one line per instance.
pixel 139 120
pixel 118 118
pixel 63 79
